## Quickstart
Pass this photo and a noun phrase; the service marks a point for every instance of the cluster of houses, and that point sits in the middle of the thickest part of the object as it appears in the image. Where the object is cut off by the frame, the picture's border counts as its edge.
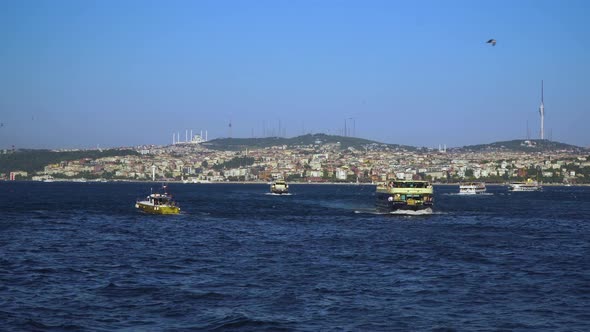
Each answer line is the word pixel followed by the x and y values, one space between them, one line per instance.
pixel 320 163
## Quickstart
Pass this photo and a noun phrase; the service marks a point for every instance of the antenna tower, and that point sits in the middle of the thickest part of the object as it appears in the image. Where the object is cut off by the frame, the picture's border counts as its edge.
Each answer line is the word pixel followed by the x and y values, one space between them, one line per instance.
pixel 542 113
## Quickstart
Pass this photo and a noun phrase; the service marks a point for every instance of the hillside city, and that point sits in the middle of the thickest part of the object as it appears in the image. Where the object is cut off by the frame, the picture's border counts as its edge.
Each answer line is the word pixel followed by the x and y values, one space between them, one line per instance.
pixel 320 162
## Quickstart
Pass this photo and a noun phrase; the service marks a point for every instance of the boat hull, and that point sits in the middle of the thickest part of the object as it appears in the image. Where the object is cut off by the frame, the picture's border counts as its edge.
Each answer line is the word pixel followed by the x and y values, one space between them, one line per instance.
pixel 157 209
pixel 526 188
pixel 385 203
pixel 470 191
pixel 280 192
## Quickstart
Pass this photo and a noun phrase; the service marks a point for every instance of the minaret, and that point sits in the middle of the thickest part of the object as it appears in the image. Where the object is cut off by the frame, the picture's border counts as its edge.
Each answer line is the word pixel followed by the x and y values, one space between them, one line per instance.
pixel 542 113
pixel 344 128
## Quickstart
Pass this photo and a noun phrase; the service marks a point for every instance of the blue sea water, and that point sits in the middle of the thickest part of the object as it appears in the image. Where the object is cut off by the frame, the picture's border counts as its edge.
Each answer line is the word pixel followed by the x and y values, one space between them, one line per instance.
pixel 78 256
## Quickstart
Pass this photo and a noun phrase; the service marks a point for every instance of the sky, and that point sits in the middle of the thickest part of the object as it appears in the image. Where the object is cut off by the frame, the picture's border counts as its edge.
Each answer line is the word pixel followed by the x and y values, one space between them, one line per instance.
pixel 82 74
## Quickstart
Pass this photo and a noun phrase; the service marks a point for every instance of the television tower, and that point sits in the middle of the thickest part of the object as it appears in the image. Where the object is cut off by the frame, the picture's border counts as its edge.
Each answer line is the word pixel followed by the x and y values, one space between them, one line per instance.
pixel 542 113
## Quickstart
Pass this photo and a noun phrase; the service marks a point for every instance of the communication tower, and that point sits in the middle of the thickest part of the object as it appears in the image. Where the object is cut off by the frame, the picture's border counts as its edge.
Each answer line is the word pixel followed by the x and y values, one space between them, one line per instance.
pixel 542 113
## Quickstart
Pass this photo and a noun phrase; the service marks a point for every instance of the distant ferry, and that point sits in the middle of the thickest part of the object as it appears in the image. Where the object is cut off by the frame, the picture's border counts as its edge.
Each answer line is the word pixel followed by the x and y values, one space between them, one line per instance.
pixel 279 187
pixel 472 188
pixel 158 203
pixel 399 196
pixel 528 185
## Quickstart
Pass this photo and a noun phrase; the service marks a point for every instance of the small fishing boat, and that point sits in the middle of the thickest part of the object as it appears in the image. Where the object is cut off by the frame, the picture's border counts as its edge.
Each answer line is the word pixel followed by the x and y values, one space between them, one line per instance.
pixel 158 203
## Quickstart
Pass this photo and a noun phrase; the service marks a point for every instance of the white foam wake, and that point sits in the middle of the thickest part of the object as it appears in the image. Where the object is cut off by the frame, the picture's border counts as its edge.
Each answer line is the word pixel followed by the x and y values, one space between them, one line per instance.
pixel 424 212
pixel 412 213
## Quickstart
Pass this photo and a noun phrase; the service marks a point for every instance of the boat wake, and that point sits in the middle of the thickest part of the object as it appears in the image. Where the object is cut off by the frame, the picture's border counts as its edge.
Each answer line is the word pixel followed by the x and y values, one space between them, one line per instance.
pixel 468 195
pixel 412 213
pixel 425 212
pixel 273 194
pixel 369 211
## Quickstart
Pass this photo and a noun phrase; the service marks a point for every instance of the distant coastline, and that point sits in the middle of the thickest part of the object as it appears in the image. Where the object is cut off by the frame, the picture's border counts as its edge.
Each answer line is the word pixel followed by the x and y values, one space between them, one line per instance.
pixel 308 159
pixel 440 184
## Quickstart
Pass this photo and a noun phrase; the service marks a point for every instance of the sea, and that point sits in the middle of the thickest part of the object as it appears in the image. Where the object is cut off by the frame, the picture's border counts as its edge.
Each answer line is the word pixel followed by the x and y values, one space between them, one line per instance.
pixel 80 257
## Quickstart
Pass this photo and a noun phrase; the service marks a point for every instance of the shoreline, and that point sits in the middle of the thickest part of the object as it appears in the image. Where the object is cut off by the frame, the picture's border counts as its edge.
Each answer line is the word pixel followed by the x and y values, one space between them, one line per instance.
pixel 268 183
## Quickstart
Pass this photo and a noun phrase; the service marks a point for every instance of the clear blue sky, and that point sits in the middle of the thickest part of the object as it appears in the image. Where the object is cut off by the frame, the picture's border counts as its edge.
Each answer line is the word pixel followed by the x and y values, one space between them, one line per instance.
pixel 77 74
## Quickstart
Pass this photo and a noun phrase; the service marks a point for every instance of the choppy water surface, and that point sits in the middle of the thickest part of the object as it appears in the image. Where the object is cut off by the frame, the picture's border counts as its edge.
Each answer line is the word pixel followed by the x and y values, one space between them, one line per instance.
pixel 77 256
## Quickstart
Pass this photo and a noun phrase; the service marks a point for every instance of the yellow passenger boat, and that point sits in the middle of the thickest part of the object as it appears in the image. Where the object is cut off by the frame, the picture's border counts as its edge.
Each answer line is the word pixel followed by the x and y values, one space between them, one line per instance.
pixel 397 196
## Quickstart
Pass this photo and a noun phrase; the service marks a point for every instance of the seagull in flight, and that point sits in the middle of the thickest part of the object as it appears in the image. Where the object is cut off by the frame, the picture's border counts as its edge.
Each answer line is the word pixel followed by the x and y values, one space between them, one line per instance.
pixel 492 41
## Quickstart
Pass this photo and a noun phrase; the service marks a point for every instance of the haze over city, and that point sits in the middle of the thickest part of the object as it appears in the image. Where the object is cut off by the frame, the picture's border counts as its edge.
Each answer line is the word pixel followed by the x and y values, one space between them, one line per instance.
pixel 77 74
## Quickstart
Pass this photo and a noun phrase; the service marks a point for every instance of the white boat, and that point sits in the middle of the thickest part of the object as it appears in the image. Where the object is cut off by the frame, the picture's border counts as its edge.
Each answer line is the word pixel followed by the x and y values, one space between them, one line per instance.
pixel 528 185
pixel 472 188
pixel 279 187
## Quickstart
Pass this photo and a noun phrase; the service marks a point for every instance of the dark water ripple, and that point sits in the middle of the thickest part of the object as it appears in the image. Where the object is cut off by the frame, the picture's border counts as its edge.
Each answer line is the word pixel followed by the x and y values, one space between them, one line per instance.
pixel 77 256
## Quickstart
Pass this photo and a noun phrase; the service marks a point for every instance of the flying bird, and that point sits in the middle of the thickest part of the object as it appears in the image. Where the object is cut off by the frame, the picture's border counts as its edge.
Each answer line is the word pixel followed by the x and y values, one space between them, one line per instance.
pixel 492 41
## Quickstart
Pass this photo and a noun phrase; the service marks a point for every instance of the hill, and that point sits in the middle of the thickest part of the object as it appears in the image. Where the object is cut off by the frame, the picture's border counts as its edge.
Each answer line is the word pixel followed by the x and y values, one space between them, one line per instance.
pixel 304 140
pixel 36 160
pixel 532 145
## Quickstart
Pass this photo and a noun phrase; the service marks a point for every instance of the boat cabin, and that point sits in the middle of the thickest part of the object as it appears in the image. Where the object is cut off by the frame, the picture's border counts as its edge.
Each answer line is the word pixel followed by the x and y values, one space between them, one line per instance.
pixel 159 199
pixel 408 184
